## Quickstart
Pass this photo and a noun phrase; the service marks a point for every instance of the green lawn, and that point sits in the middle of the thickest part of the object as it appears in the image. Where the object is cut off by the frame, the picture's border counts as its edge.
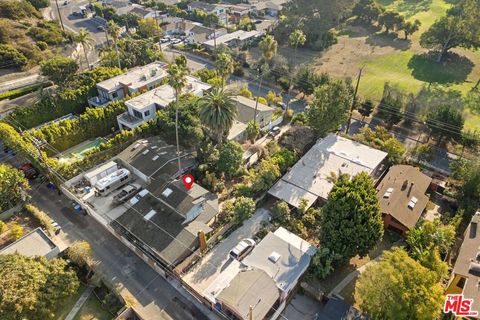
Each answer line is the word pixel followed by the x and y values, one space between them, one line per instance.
pixel 410 69
pixel 92 310
pixel 68 304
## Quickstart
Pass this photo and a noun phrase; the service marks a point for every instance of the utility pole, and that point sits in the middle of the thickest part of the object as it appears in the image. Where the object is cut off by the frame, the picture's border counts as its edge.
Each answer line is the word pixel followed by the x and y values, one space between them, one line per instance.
pixel 59 15
pixel 354 99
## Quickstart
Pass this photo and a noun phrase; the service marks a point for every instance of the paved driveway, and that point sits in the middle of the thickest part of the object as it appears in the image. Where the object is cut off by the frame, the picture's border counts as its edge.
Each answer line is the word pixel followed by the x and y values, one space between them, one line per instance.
pixel 217 260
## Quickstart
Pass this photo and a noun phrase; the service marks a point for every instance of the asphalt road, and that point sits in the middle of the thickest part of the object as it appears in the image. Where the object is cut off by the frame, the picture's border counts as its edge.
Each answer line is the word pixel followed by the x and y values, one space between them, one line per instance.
pixel 157 299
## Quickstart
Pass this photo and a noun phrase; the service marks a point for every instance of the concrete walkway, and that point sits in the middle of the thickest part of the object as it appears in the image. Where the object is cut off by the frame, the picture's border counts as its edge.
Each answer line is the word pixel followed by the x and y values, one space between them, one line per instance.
pixel 79 303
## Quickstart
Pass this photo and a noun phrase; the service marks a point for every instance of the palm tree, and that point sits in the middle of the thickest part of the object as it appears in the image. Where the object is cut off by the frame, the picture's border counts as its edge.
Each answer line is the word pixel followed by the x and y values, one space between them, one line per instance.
pixel 218 112
pixel 85 39
pixel 225 66
pixel 297 37
pixel 177 79
pixel 114 31
pixel 269 47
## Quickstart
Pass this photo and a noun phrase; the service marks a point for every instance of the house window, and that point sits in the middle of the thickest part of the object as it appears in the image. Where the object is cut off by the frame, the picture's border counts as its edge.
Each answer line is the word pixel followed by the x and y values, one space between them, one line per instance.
pixel 461 283
pixel 114 94
pixel 137 114
pixel 146 113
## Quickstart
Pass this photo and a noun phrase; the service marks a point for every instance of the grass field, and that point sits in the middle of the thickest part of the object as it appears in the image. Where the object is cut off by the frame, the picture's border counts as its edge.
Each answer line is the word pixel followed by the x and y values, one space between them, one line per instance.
pixel 391 58
pixel 93 310
pixel 68 304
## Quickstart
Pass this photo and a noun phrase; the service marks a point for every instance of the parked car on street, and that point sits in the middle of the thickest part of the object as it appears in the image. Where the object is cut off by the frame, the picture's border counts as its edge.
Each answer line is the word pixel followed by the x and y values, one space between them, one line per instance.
pixel 29 171
pixel 274 131
pixel 243 248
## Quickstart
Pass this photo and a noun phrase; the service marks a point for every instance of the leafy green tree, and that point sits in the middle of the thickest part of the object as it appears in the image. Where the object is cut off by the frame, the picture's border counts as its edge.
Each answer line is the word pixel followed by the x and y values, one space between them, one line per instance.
pixel 410 28
pixel 398 287
pixel 264 175
pixel 80 252
pixel 86 41
pixel 225 66
pixel 390 20
pixel 133 52
pixel 468 174
pixel 458 29
pixel 33 288
pixel 445 121
pixel 243 208
pixel 59 69
pixel 472 100
pixel 330 107
pixel 252 131
pixel 3 227
pixel 423 152
pixel 351 220
pixel 431 234
pixel 366 108
pixel 148 28
pixel 13 186
pixel 323 262
pixel 367 10
pixel 39 4
pixel 391 106
pixel 284 158
pixel 218 113
pixel 230 158
pixel 381 139
pixel 177 79
pixel 281 212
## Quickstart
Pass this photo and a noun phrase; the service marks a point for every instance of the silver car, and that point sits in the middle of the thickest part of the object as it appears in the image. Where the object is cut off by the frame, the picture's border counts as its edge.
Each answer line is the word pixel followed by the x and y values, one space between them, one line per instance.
pixel 242 249
pixel 126 193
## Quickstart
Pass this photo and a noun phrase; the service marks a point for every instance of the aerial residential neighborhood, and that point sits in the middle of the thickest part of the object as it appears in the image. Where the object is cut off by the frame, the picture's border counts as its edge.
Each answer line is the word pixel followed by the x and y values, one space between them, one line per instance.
pixel 250 160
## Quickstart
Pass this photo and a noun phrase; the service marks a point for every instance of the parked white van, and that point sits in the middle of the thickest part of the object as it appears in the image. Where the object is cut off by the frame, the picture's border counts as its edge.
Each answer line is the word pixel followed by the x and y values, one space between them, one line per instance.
pixel 112 182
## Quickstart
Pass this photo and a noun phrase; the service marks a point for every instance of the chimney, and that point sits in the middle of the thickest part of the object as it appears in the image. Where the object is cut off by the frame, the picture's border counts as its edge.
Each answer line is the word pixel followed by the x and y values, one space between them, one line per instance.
pixel 410 190
pixel 202 240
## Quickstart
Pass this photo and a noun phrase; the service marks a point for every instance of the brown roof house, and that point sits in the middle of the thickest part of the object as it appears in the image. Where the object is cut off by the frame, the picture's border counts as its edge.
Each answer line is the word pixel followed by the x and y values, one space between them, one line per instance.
pixel 402 198
pixel 466 272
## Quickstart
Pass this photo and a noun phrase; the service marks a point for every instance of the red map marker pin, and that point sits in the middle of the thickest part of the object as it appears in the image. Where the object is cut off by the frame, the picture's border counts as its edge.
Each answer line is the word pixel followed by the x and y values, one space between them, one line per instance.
pixel 187 180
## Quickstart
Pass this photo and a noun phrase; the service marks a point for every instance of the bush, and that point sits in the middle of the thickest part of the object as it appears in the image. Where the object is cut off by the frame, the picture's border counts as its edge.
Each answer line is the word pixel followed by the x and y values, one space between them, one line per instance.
pixel 16 231
pixel 42 45
pixel 18 9
pixel 281 212
pixel 327 40
pixel 3 227
pixel 39 4
pixel 11 57
pixel 12 94
pixel 41 217
pixel 47 31
pixel 284 83
pixel 242 190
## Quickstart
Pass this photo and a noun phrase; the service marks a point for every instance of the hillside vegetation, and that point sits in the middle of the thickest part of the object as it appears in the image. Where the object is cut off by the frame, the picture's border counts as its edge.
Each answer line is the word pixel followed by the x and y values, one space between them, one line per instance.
pixel 25 37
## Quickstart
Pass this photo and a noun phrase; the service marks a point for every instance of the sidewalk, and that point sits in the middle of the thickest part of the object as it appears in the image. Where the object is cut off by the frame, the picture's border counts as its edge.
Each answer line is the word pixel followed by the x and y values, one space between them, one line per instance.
pixel 79 303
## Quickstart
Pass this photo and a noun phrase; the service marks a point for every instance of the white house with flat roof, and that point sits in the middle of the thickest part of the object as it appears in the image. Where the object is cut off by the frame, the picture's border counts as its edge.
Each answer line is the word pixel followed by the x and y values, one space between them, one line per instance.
pixel 34 244
pixel 143 108
pixel 138 79
pixel 235 39
pixel 309 178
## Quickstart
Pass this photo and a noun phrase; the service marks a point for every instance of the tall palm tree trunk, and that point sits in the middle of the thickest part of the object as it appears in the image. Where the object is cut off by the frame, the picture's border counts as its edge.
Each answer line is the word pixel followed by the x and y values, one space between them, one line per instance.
pixel 256 100
pixel 86 55
pixel 176 133
pixel 116 51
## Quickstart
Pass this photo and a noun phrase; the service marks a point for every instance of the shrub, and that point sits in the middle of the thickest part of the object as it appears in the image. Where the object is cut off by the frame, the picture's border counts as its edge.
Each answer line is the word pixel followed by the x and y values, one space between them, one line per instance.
pixel 246 93
pixel 243 208
pixel 16 231
pixel 3 227
pixel 11 57
pixel 41 216
pixel 281 212
pixel 39 4
pixel 47 31
pixel 12 94
pixel 262 100
pixel 284 83
pixel 42 45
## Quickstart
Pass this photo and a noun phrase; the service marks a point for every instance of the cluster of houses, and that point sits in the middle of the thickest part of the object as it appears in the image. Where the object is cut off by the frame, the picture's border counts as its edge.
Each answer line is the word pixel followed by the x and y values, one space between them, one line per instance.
pixel 148 84
pixel 197 33
pixel 167 225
